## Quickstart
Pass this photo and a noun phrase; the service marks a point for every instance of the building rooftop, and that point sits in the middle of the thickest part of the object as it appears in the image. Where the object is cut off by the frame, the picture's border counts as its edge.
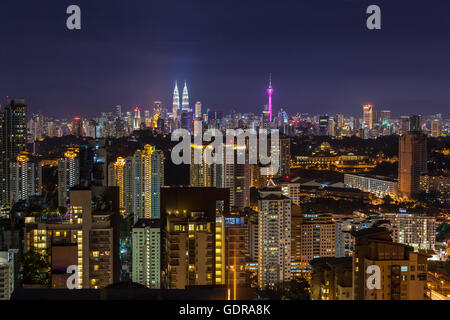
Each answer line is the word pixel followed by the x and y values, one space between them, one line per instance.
pixel 369 231
pixel 143 223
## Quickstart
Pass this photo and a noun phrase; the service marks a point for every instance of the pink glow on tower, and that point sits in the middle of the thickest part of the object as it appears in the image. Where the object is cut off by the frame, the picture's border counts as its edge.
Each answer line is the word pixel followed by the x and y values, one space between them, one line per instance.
pixel 269 92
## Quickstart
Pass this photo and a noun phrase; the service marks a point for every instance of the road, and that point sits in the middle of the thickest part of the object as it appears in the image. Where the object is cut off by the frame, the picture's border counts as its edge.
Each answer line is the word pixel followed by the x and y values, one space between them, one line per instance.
pixel 439 286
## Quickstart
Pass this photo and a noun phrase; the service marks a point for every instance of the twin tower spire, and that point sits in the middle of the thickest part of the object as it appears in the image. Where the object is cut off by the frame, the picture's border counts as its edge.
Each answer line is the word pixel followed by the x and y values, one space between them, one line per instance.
pixel 185 101
pixel 176 99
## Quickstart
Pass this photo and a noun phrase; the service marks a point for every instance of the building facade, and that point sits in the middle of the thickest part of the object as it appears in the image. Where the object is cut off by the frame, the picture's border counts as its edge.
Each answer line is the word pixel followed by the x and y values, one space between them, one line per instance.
pixel 146 253
pixel 274 237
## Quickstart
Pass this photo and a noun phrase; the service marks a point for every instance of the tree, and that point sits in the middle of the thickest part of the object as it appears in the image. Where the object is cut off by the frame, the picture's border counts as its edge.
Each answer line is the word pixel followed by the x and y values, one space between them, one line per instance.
pixel 295 289
pixel 35 268
pixel 62 210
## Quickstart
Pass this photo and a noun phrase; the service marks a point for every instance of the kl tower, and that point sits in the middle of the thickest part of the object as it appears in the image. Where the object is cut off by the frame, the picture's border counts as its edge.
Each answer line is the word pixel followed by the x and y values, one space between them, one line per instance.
pixel 269 92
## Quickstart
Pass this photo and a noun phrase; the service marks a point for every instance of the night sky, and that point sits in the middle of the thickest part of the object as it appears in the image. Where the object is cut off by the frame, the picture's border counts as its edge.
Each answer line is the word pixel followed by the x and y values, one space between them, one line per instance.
pixel 322 57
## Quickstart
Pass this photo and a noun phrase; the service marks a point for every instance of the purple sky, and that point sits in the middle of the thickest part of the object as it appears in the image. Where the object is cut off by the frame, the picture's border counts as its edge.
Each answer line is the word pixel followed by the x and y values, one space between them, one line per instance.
pixel 322 57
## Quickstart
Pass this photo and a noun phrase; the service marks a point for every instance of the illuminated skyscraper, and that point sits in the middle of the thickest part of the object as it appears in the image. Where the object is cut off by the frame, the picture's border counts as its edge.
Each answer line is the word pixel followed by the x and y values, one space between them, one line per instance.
pixel 266 121
pixel 198 110
pixel 148 171
pixel 13 139
pixel 269 92
pixel 274 221
pixel 412 162
pixel 436 128
pixel 201 175
pixel 368 115
pixel 185 101
pixel 116 177
pixel 385 116
pixel 176 102
pixel 323 125
pixel 25 179
pixel 137 119
pixel 236 177
pixel 340 120
pixel 186 119
pixel 317 232
pixel 415 124
pixel 417 231
pixel 285 156
pixel 68 175
pixel 77 127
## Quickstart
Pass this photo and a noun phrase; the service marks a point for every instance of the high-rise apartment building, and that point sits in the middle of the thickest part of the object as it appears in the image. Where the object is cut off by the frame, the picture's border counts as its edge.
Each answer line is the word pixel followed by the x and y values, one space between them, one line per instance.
pixel 137 119
pixel 402 272
pixel 236 252
pixel 253 231
pixel 285 156
pixel 412 162
pixel 292 191
pixel 274 237
pixel 13 141
pixel 234 176
pixel 385 116
pixel 68 174
pixel 317 238
pixel 87 237
pixel 190 250
pixel 198 110
pixel 148 173
pixel 25 178
pixel 323 125
pixel 146 253
pixel 120 174
pixel 116 177
pixel 417 231
pixel 185 100
pixel 201 174
pixel 193 234
pixel 77 127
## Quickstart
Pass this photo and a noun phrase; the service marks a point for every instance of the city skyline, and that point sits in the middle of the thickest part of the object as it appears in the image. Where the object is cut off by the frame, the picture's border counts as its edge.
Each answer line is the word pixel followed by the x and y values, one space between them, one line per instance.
pixel 321 56
pixel 254 151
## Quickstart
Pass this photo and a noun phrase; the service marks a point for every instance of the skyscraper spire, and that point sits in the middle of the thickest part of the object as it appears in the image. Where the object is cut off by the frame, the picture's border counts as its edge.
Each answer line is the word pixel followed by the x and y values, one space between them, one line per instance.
pixel 176 101
pixel 269 92
pixel 185 101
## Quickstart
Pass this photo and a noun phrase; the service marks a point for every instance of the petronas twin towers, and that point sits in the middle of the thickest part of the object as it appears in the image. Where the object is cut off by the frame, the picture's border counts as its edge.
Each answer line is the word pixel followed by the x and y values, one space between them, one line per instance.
pixel 176 100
